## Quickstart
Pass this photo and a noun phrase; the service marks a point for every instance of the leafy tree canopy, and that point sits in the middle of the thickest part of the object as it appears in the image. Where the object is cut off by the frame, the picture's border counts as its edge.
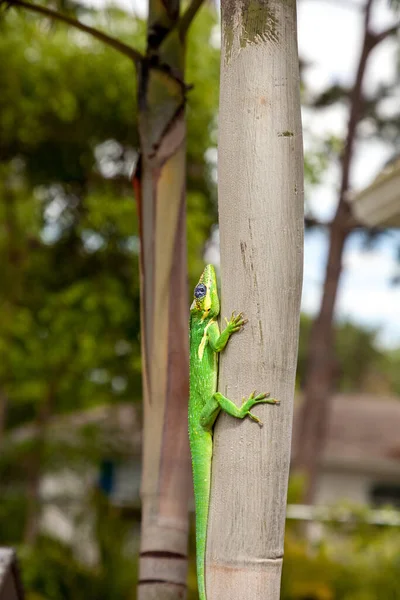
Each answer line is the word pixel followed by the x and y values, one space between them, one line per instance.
pixel 68 131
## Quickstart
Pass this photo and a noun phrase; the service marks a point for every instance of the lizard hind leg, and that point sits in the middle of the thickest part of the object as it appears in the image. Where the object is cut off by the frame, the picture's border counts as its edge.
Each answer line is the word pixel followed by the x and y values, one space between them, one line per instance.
pixel 209 413
pixel 244 411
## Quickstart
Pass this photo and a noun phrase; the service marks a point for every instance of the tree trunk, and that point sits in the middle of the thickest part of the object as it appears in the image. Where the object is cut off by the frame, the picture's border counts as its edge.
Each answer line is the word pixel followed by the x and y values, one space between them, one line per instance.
pixel 12 288
pixel 321 362
pixel 261 224
pixel 321 367
pixel 3 413
pixel 160 192
pixel 35 467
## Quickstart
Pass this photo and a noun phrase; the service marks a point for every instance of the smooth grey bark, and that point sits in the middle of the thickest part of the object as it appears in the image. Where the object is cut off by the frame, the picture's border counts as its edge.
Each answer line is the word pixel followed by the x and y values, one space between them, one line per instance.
pixel 261 227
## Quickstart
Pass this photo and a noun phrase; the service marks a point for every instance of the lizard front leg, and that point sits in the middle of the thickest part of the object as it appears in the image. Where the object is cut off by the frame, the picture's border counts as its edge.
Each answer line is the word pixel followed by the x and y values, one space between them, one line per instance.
pixel 219 340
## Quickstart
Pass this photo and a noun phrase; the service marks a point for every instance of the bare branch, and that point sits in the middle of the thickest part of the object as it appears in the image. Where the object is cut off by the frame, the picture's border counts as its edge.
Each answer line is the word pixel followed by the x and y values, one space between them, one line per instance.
pixel 182 24
pixel 379 37
pixel 311 222
pixel 124 49
pixel 352 223
pixel 367 12
pixel 99 35
pixel 188 16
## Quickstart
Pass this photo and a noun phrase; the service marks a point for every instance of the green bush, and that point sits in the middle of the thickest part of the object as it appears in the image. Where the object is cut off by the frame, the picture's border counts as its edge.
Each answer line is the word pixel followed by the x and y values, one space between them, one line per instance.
pixel 353 561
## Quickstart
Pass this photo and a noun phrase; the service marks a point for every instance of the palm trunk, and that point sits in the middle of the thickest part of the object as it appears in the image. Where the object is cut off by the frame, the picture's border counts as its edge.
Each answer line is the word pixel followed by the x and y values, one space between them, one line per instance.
pixel 261 225
pixel 160 192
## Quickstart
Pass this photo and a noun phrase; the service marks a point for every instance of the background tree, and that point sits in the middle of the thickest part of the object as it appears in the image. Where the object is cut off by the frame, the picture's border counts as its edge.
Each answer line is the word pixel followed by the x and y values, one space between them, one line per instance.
pixel 70 288
pixel 369 372
pixel 74 316
pixel 321 368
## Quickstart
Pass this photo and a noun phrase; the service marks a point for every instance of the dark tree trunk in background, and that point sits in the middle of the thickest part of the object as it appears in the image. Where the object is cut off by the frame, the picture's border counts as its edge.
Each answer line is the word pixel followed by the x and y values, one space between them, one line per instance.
pixel 36 467
pixel 159 183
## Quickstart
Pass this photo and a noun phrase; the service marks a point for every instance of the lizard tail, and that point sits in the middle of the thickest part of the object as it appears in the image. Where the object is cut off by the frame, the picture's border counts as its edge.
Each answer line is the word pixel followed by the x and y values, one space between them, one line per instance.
pixel 202 484
pixel 201 535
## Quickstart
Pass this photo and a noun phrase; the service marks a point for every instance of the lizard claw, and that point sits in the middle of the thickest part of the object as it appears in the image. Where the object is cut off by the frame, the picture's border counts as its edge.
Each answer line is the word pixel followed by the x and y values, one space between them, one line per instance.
pixel 236 322
pixel 258 397
pixel 256 419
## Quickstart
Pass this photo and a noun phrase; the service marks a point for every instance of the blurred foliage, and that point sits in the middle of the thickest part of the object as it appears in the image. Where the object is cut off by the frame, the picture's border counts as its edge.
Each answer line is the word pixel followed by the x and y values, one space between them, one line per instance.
pixel 361 366
pixel 343 558
pixel 68 228
pixel 52 569
pixel 391 366
pixel 69 333
pixel 353 560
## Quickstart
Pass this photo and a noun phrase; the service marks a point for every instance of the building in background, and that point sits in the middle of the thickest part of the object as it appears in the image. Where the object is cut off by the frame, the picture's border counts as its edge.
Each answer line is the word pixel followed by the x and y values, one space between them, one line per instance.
pixel 361 460
pixel 378 205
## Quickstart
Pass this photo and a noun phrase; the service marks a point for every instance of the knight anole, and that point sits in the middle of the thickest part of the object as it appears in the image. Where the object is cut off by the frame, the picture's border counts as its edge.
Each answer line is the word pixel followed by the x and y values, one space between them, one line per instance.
pixel 205 402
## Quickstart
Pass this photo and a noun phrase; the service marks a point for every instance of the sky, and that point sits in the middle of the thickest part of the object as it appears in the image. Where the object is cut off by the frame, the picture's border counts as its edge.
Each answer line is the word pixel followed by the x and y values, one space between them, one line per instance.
pixel 366 295
pixel 329 34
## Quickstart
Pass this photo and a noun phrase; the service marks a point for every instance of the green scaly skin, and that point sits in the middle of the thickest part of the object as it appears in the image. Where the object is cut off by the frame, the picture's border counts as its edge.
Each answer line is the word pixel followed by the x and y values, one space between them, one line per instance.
pixel 205 402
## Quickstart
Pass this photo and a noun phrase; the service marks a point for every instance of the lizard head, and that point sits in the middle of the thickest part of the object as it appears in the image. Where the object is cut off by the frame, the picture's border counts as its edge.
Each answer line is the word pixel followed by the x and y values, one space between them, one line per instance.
pixel 206 302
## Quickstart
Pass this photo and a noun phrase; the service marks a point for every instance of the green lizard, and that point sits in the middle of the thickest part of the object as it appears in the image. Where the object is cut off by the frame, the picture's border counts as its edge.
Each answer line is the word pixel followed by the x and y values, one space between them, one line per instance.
pixel 205 402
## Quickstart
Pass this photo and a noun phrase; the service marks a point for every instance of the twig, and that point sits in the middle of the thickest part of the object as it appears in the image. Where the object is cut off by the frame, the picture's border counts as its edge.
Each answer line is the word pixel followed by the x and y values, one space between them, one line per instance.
pixel 182 24
pixel 379 37
pixel 188 16
pixel 133 54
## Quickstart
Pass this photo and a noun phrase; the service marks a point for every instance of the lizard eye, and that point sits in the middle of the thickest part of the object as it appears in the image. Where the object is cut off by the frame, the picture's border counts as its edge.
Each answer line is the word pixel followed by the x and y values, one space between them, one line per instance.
pixel 200 291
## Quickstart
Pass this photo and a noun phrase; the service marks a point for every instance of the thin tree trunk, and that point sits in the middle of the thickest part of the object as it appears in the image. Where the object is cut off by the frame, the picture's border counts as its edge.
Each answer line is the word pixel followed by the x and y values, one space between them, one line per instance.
pixel 35 467
pixel 261 224
pixel 33 501
pixel 160 192
pixel 320 373
pixel 12 289
pixel 3 413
